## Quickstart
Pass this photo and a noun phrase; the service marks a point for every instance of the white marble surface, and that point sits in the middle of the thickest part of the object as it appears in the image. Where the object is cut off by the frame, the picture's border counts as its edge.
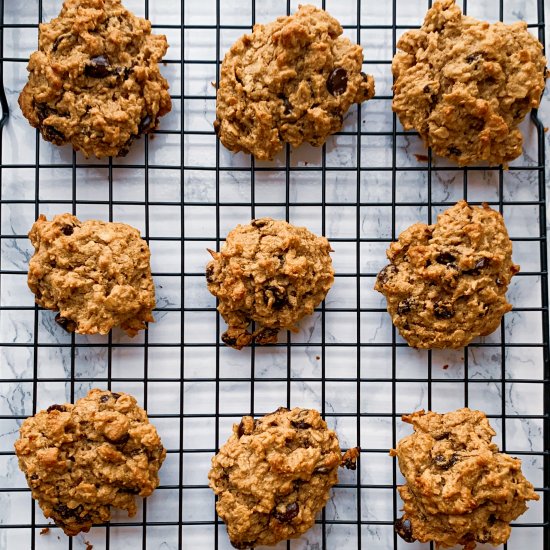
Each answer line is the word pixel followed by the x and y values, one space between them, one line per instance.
pixel 44 350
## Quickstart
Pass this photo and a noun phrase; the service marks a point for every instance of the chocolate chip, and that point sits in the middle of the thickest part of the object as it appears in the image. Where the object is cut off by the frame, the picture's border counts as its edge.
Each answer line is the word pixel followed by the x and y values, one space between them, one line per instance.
pixel 337 81
pixel 67 230
pixel 445 258
pixel 228 340
pixel 444 435
pixel 210 273
pixel 240 430
pixel 60 408
pixel 482 263
pixel 443 310
pixel 65 323
pixel 98 67
pixel 104 398
pixel 291 512
pixel 300 425
pixel 403 528
pixel 440 462
pixel 145 124
pixel 387 273
pixel 455 151
pixel 404 307
pixel 52 134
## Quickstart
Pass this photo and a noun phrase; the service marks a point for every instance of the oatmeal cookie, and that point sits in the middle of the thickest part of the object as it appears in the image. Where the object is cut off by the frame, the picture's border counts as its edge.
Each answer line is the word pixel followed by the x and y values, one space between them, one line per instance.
pixel 271 273
pixel 274 475
pixel 459 488
pixel 94 81
pixel 465 85
pixel 292 81
pixel 97 274
pixel 81 459
pixel 446 283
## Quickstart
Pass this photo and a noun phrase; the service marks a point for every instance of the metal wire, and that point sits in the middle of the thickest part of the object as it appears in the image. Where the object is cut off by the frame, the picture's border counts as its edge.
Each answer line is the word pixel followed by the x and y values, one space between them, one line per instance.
pixel 387 353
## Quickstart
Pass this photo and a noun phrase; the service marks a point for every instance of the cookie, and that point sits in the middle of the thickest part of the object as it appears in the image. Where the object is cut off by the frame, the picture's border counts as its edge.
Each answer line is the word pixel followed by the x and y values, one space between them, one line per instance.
pixel 446 283
pixel 94 81
pixel 270 273
pixel 81 459
pixel 459 488
pixel 465 85
pixel 97 274
pixel 274 475
pixel 290 81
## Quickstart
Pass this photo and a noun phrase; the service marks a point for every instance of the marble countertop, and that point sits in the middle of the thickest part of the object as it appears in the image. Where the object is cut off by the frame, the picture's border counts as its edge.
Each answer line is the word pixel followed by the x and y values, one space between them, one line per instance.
pixel 45 364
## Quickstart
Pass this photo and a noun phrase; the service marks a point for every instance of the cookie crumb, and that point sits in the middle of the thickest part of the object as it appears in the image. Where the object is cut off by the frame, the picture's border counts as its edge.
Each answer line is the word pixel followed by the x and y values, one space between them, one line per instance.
pixel 445 367
pixel 45 531
pixel 421 158
pixel 349 458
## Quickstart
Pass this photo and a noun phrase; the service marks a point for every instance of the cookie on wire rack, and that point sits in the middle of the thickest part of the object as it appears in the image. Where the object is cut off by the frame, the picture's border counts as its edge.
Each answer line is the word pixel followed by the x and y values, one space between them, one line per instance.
pixel 274 475
pixel 465 85
pixel 459 488
pixel 446 283
pixel 94 81
pixel 270 273
pixel 81 459
pixel 289 81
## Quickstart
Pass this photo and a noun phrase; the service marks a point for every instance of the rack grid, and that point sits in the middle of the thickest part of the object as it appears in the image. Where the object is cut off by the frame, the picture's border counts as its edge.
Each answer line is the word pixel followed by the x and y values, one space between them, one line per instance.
pixel 184 192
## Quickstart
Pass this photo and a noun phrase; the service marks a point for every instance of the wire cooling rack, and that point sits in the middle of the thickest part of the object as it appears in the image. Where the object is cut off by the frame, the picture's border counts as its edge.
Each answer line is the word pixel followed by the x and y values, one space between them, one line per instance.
pixel 184 192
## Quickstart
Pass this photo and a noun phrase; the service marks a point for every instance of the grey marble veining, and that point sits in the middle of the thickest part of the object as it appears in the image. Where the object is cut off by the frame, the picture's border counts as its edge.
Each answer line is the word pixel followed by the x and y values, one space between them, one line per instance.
pixel 43 351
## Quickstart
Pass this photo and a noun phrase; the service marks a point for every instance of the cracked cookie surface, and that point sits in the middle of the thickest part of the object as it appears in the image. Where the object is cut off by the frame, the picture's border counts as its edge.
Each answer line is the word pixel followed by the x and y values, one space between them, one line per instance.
pixel 446 283
pixel 465 85
pixel 274 475
pixel 459 488
pixel 271 273
pixel 289 81
pixel 81 459
pixel 97 274
pixel 94 81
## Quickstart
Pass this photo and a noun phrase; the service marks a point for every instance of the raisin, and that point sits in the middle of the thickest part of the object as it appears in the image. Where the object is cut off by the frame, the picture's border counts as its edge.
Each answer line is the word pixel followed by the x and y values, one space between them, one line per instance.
pixel 98 67
pixel 404 307
pixel 67 230
pixel 287 104
pixel 350 463
pixel 426 89
pixel 279 296
pixel 125 149
pixel 58 41
pixel 267 336
pixel 482 263
pixel 445 464
pixel 291 512
pixel 444 435
pixel 65 323
pixel 121 440
pixel 472 57
pixel 403 528
pixel 477 124
pixel 210 273
pixel 240 430
pixel 43 111
pixel 258 223
pixel 52 134
pixel 242 545
pixel 104 398
pixel 115 395
pixel 228 340
pixel 492 519
pixel 443 310
pixel 60 408
pixel 337 81
pixel 455 151
pixel 445 258
pixel 145 124
pixel 387 273
pixel 34 477
pixel 300 425
pixel 66 513
pixel 217 125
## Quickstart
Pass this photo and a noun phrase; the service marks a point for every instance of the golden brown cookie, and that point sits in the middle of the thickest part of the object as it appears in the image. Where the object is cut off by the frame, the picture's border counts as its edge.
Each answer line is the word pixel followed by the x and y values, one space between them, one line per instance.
pixel 292 81
pixel 271 273
pixel 465 85
pixel 94 81
pixel 97 274
pixel 446 283
pixel 81 459
pixel 459 488
pixel 274 475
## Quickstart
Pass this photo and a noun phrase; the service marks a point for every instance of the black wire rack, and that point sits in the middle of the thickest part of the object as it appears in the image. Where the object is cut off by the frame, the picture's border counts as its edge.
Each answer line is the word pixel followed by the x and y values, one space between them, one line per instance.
pixel 184 191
